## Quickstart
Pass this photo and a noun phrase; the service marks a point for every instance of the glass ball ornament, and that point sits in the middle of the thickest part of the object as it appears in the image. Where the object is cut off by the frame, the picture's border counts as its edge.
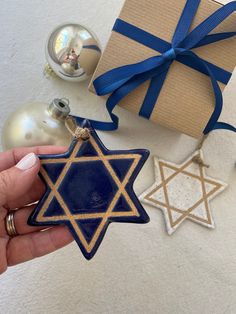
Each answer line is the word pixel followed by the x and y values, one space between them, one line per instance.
pixel 37 123
pixel 72 52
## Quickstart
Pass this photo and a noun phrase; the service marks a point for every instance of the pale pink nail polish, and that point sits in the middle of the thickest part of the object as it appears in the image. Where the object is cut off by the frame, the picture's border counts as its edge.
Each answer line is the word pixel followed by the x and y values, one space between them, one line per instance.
pixel 27 162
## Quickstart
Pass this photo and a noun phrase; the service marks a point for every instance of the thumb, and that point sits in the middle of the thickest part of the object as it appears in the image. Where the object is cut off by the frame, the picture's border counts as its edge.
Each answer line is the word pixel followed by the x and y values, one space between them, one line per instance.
pixel 16 181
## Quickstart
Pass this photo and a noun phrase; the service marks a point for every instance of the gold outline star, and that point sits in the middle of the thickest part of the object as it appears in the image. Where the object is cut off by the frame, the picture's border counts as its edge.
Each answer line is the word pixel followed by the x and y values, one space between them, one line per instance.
pixel 40 218
pixel 167 208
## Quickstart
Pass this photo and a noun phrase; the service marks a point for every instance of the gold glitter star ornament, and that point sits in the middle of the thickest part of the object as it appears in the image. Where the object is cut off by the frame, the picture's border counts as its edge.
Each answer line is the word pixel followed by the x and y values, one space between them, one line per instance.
pixel 183 192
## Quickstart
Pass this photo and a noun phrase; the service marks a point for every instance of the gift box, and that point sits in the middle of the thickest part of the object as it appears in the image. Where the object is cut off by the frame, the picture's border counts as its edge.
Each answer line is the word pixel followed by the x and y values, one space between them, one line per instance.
pixel 185 99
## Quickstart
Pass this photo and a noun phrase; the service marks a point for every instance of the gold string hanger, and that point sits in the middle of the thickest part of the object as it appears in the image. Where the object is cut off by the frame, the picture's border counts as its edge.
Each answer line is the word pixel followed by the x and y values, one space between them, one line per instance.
pixel 75 130
pixel 198 159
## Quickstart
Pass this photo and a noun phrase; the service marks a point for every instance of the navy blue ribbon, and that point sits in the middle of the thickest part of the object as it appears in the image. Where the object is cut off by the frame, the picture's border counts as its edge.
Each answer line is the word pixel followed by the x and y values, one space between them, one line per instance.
pixel 121 81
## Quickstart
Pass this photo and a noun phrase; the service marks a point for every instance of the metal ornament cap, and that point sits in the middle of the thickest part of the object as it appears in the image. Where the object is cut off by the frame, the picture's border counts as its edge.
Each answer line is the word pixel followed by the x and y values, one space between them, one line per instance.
pixel 87 188
pixel 59 108
pixel 72 52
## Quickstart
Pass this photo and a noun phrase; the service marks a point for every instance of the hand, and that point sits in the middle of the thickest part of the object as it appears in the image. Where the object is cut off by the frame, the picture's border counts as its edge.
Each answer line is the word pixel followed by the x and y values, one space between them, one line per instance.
pixel 19 187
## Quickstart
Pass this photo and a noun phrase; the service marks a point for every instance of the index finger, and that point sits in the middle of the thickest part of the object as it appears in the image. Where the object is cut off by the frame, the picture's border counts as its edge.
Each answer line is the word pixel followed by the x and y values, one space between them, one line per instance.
pixel 10 158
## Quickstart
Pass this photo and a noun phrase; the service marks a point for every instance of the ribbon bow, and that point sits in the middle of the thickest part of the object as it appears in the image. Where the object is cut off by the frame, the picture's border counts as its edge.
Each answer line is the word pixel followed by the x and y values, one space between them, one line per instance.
pixel 121 81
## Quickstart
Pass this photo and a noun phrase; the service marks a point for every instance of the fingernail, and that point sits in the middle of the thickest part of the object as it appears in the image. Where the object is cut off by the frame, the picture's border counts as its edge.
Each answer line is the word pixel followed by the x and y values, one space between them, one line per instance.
pixel 27 162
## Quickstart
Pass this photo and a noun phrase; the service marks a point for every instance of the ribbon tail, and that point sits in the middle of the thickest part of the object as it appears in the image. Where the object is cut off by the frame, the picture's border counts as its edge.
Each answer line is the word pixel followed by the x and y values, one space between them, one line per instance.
pixel 130 86
pixel 217 91
pixel 220 74
pixel 111 103
pixel 224 126
pixel 115 78
pixel 122 92
pixel 208 25
pixel 101 125
pixel 213 38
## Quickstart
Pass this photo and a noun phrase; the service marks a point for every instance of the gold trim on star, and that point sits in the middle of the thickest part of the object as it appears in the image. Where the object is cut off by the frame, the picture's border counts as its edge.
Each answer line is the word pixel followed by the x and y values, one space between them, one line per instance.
pixel 162 183
pixel 40 218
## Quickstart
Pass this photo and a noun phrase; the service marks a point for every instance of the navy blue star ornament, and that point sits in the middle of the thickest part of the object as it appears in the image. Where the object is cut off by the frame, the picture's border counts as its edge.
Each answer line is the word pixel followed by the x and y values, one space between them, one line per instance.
pixel 89 187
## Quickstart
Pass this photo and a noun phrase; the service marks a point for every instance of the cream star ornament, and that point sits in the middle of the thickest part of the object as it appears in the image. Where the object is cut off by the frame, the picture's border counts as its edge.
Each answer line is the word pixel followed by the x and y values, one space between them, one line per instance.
pixel 183 192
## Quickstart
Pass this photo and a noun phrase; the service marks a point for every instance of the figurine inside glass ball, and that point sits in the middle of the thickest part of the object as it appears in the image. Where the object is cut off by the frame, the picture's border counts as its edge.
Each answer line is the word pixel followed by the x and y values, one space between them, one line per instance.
pixel 73 52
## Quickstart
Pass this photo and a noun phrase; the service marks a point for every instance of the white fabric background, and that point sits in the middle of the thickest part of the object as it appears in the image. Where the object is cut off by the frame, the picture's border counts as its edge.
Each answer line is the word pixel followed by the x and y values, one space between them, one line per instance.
pixel 138 268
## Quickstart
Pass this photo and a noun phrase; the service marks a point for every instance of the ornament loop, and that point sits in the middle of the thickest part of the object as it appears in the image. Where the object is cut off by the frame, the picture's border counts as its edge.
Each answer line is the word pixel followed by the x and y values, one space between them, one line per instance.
pixel 198 160
pixel 75 130
pixel 202 141
pixel 65 100
pixel 48 71
pixel 82 133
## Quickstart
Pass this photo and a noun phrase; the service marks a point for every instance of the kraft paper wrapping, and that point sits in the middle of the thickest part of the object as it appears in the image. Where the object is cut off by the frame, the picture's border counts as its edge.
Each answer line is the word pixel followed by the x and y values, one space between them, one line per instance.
pixel 186 101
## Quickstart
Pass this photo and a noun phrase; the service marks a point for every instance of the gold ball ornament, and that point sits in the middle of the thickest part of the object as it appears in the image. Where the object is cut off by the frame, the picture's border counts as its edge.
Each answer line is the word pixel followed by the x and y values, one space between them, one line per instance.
pixel 72 52
pixel 37 123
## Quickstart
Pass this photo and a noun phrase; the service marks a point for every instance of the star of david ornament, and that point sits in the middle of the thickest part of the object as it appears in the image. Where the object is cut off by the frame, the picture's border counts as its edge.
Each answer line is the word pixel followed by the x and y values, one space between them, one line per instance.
pixel 183 192
pixel 89 187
